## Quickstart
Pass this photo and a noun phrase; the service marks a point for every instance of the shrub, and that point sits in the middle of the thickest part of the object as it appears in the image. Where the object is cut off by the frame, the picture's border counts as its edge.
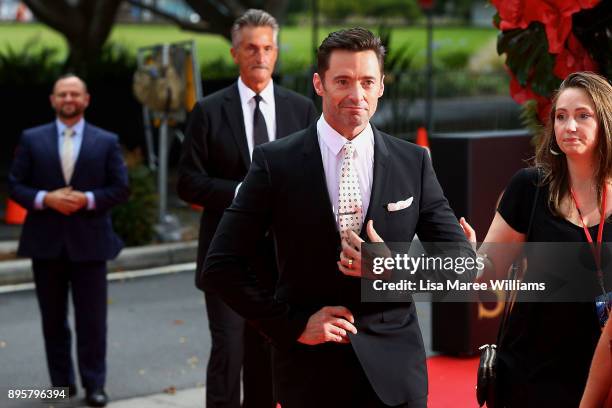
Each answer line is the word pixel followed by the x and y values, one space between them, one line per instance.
pixel 455 60
pixel 135 219
pixel 219 69
pixel 31 65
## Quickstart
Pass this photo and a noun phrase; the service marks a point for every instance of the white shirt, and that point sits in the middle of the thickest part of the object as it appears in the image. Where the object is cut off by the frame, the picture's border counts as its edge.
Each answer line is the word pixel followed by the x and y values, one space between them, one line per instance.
pixel 77 140
pixel 266 106
pixel 77 137
pixel 331 144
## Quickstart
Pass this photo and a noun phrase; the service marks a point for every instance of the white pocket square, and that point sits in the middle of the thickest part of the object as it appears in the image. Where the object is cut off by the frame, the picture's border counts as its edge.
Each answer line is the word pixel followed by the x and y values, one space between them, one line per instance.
pixel 400 205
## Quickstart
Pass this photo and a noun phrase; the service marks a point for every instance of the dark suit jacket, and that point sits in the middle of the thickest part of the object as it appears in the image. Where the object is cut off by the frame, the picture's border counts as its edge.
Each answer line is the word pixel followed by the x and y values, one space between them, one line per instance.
pixel 216 158
pixel 285 190
pixel 86 235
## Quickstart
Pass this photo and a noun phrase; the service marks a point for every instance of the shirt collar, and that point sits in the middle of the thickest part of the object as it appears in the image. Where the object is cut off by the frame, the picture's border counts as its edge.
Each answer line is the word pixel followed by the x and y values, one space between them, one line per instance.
pixel 335 141
pixel 77 128
pixel 247 94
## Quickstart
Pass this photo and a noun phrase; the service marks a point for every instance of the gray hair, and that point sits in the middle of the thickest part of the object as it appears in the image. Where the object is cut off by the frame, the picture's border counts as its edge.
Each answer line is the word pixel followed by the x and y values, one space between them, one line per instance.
pixel 253 18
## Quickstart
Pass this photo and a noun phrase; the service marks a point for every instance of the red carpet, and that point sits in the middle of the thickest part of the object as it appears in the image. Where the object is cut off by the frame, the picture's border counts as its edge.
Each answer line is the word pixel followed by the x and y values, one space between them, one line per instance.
pixel 452 382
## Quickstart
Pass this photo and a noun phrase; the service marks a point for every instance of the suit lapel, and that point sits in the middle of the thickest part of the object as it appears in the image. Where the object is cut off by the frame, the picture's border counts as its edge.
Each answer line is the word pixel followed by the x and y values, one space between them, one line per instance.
pixel 233 116
pixel 282 110
pixel 381 158
pixel 315 183
pixel 52 145
pixel 87 143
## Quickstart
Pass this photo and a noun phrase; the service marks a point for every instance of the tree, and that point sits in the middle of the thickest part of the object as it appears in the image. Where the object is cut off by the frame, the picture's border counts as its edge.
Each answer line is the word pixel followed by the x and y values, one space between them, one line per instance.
pixel 86 24
pixel 216 17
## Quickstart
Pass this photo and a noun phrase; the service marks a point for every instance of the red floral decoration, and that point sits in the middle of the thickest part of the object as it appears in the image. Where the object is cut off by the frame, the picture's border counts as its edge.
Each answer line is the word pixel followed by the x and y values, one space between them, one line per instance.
pixel 522 94
pixel 556 16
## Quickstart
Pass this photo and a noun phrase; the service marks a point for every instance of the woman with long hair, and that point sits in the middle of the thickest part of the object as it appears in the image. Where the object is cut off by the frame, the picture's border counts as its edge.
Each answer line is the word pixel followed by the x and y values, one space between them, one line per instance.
pixel 547 348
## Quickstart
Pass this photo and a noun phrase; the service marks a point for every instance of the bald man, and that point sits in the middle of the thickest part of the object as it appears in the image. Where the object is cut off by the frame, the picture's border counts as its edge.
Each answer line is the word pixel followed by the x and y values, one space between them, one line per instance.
pixel 68 174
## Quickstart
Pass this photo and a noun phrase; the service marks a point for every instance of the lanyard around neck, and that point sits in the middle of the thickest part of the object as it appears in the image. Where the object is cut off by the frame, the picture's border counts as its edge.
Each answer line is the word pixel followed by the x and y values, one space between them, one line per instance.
pixel 596 249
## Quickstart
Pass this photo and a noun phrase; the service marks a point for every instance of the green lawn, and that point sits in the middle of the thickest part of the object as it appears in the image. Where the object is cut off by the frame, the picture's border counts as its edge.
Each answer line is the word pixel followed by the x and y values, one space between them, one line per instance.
pixel 295 41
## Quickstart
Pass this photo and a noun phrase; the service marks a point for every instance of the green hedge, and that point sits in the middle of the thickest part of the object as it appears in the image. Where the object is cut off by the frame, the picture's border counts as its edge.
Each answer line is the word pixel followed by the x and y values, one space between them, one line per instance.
pixel 135 219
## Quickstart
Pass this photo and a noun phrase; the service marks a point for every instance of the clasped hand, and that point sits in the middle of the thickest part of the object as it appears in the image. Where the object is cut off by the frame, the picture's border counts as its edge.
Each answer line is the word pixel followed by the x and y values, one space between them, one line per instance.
pixel 65 200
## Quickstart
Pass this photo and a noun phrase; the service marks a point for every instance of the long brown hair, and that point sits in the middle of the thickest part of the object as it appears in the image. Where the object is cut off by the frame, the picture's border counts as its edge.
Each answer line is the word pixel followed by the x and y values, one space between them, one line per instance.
pixel 554 166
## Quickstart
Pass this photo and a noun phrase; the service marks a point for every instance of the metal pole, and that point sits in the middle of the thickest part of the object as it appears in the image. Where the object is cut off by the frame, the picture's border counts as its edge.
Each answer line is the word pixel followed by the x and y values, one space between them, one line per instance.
pixel 430 85
pixel 162 168
pixel 315 46
pixel 315 31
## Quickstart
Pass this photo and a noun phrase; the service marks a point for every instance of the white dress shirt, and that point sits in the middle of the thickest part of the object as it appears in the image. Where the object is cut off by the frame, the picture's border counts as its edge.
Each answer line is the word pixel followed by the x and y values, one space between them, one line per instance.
pixel 266 106
pixel 77 140
pixel 331 144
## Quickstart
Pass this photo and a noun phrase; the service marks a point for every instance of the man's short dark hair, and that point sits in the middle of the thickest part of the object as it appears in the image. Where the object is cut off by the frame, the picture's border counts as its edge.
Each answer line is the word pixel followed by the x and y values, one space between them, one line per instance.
pixel 352 39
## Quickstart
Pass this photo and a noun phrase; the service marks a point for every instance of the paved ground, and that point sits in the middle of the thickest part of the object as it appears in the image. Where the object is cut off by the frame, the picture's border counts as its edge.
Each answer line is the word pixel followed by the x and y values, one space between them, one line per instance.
pixel 158 341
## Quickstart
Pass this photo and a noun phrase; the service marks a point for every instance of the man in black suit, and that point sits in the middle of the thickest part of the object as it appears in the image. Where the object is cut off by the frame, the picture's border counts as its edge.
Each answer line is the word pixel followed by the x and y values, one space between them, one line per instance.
pixel 309 189
pixel 69 174
pixel 222 131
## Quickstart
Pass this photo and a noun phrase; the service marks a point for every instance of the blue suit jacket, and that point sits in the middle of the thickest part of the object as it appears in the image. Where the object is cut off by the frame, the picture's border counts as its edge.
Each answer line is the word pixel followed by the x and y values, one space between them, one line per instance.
pixel 86 235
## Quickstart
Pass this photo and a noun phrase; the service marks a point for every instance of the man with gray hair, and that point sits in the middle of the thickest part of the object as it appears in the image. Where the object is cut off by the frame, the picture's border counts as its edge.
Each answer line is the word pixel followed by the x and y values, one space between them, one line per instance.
pixel 222 131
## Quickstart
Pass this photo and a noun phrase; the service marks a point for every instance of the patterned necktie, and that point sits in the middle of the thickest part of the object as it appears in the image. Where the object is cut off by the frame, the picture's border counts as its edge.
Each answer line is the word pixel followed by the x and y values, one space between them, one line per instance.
pixel 260 131
pixel 349 195
pixel 66 155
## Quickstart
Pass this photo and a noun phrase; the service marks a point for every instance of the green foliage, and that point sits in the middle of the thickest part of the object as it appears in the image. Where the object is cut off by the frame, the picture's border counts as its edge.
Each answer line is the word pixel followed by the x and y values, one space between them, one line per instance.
pixel 295 41
pixel 115 61
pixel 448 84
pixel 36 64
pixel 135 219
pixel 454 60
pixel 218 68
pixel 32 64
pixel 409 10
pixel 398 59
pixel 340 10
pixel 529 119
pixel 454 8
pixel 528 57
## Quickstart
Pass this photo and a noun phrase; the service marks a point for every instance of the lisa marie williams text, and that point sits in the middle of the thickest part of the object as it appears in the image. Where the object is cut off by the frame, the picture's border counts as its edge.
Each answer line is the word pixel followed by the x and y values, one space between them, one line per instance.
pixel 430 286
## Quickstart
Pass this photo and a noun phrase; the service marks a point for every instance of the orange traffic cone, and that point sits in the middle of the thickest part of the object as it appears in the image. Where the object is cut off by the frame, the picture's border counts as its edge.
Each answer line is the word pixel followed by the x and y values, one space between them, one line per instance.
pixel 196 207
pixel 15 214
pixel 422 139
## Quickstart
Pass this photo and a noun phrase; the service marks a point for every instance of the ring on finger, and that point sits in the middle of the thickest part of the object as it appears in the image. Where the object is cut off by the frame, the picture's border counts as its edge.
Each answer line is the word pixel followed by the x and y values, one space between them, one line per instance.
pixel 350 263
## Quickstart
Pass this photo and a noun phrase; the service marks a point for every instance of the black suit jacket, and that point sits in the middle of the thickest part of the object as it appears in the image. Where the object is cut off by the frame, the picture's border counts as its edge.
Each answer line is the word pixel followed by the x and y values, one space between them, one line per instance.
pixel 216 158
pixel 285 190
pixel 86 235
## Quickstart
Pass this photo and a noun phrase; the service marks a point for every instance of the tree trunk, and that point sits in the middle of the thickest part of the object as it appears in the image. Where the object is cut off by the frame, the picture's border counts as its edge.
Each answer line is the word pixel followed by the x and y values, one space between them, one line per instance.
pixel 85 24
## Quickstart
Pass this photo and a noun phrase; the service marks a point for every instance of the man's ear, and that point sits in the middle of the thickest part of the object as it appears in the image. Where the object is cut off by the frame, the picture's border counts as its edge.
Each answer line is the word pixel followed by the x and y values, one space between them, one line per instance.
pixel 317 82
pixel 234 52
pixel 382 86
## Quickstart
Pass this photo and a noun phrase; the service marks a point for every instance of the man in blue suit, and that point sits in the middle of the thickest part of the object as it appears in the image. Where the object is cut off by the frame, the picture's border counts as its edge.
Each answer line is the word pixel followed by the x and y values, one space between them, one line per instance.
pixel 68 174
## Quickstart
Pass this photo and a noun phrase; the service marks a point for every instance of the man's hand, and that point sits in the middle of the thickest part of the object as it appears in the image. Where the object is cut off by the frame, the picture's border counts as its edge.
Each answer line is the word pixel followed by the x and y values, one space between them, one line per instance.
pixel 469 232
pixel 331 323
pixel 65 200
pixel 80 197
pixel 350 257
